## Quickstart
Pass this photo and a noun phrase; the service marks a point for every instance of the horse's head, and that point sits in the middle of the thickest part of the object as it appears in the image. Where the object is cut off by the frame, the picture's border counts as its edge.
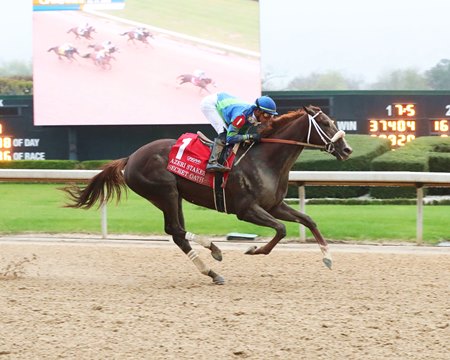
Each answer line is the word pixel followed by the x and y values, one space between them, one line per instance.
pixel 146 33
pixel 323 131
pixel 113 49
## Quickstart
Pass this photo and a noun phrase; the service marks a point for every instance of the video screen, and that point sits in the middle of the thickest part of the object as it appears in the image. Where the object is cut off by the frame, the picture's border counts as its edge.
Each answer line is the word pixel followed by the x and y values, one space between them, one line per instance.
pixel 95 68
pixel 355 45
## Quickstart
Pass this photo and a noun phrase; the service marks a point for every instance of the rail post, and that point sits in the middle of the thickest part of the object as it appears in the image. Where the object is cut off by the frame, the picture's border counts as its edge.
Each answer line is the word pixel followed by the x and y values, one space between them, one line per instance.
pixel 301 200
pixel 419 219
pixel 104 219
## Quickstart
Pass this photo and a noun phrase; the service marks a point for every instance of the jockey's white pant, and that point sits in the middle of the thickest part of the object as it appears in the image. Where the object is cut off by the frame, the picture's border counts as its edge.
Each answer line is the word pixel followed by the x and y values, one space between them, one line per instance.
pixel 208 108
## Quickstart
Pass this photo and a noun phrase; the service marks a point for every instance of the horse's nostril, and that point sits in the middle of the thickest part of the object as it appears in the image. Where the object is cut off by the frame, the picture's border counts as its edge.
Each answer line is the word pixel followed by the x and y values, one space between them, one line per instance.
pixel 348 150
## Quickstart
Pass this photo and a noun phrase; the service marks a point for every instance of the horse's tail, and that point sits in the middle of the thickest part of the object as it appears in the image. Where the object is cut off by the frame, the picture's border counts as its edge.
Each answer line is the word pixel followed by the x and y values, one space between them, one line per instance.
pixel 70 30
pixel 86 56
pixel 125 33
pixel 54 48
pixel 101 188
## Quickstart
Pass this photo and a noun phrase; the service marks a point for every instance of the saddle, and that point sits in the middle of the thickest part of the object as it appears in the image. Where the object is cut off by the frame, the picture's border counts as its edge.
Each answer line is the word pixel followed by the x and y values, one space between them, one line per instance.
pixel 204 139
pixel 188 159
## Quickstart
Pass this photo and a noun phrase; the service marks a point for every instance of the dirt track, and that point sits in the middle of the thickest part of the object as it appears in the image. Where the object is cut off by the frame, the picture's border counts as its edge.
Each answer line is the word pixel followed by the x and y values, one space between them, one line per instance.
pixel 140 300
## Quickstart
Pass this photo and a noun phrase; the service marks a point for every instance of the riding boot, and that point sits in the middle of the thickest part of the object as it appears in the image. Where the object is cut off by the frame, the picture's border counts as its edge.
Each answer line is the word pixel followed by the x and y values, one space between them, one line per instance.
pixel 213 165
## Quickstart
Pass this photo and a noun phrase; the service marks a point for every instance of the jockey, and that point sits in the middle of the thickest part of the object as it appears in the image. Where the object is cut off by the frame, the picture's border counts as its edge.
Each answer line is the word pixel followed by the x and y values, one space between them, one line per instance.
pixel 100 56
pixel 83 28
pixel 107 45
pixel 139 31
pixel 64 48
pixel 232 118
pixel 197 76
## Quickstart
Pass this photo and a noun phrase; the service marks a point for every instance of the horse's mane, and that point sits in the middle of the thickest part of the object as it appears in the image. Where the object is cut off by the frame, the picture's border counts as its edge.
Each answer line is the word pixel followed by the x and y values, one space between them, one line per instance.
pixel 280 121
pixel 284 120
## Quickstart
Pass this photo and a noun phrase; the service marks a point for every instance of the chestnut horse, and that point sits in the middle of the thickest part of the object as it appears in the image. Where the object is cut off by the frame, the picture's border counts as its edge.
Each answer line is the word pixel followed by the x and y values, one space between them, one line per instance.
pixel 255 189
pixel 80 32
pixel 66 51
pixel 101 58
pixel 201 83
pixel 140 34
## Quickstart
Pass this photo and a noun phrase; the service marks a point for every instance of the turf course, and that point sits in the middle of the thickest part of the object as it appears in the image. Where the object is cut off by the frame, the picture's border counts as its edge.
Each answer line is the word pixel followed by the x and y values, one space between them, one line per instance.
pixel 231 22
pixel 39 208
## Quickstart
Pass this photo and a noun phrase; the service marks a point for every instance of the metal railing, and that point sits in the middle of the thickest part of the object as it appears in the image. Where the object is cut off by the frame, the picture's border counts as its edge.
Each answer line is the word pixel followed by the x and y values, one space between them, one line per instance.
pixel 419 180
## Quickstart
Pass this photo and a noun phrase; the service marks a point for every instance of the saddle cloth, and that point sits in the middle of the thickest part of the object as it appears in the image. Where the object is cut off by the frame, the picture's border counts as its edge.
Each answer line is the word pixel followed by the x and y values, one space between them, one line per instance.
pixel 188 158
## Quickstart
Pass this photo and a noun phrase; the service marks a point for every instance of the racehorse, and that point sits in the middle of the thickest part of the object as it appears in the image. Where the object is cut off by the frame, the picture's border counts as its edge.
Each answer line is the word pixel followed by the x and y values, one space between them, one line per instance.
pixel 101 58
pixel 254 191
pixel 82 32
pixel 201 83
pixel 140 34
pixel 66 51
pixel 98 47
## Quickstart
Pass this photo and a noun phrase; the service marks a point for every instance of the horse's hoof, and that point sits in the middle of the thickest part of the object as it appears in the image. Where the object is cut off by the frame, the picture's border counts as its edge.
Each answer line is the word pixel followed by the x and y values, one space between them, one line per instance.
pixel 251 250
pixel 216 253
pixel 219 280
pixel 327 262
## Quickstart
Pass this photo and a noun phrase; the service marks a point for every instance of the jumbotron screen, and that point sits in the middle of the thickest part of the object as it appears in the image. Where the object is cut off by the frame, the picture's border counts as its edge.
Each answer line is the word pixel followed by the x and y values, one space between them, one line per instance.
pixel 139 82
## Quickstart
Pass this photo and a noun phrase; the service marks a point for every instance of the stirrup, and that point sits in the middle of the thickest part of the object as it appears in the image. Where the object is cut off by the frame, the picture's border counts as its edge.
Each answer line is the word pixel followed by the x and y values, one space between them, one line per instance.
pixel 216 168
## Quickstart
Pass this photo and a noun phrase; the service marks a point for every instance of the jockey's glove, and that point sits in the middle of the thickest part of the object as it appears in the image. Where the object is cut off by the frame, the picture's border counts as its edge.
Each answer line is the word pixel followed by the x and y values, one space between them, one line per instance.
pixel 255 137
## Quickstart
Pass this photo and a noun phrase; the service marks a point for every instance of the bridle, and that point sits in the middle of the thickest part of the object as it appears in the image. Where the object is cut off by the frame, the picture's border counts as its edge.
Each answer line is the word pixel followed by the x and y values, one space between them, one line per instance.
pixel 328 143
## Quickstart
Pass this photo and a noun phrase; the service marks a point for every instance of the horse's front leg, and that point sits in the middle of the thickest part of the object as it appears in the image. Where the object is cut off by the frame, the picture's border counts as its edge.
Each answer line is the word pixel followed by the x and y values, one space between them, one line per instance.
pixel 286 213
pixel 259 216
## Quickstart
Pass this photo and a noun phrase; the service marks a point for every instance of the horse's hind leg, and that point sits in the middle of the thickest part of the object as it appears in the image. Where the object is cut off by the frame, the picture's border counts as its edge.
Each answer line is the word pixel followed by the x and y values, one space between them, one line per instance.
pixel 216 253
pixel 173 225
pixel 181 238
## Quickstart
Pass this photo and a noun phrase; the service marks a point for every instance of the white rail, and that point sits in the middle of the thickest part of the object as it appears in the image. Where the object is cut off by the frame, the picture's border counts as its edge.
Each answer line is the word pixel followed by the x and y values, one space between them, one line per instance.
pixel 419 180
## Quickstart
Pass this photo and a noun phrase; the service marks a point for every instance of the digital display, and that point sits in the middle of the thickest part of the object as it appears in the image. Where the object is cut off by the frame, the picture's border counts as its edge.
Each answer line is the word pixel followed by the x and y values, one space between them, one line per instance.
pixel 401 110
pixel 5 146
pixel 20 140
pixel 401 123
pixel 440 127
pixel 10 147
pixel 399 126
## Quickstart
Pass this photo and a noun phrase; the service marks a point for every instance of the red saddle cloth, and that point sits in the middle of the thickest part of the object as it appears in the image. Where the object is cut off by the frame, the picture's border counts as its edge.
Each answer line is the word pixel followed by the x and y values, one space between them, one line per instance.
pixel 188 159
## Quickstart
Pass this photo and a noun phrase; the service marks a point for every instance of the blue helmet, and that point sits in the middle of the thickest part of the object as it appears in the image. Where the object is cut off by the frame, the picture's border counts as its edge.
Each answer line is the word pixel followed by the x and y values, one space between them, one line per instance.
pixel 266 104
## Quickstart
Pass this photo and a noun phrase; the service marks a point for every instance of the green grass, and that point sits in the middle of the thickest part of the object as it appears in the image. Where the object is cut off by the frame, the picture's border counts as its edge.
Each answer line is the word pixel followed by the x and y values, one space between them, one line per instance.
pixel 38 208
pixel 232 22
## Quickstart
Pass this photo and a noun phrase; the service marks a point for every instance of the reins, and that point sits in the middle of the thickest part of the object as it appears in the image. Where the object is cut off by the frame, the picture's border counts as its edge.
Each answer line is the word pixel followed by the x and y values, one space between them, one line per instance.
pixel 292 142
pixel 328 146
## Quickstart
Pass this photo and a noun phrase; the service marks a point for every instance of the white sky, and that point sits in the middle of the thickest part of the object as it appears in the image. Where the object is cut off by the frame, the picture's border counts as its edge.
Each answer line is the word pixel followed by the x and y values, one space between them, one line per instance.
pixel 358 37
pixel 15 30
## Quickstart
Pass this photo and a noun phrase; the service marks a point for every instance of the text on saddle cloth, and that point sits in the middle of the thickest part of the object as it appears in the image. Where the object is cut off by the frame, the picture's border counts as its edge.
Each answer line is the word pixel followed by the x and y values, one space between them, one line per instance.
pixel 188 158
